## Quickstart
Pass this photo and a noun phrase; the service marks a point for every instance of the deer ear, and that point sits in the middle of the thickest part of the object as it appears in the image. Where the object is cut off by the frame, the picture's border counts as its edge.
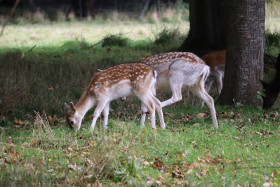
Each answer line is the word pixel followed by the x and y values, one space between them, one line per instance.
pixel 67 107
pixel 72 106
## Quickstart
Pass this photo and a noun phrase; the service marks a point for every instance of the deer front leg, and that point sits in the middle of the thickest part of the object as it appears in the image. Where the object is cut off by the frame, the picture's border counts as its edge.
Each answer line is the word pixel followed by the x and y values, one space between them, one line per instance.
pixel 144 111
pixel 176 88
pixel 106 114
pixel 99 108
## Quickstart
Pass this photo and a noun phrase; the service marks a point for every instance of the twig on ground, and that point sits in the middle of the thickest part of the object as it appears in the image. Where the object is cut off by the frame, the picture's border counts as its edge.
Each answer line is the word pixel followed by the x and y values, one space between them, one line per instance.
pixel 30 49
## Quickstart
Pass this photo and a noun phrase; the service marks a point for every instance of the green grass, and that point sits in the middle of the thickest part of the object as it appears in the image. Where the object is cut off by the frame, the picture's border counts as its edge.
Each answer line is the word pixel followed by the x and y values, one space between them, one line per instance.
pixel 244 151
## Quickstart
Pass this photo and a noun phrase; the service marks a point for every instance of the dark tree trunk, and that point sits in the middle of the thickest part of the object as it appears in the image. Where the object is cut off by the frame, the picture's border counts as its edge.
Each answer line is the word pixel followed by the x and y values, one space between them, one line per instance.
pixel 158 9
pixel 144 10
pixel 28 3
pixel 207 31
pixel 82 8
pixel 116 4
pixel 245 51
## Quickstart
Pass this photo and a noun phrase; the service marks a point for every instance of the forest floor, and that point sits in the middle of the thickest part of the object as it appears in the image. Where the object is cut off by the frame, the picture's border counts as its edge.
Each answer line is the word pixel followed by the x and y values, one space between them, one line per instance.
pixel 45 65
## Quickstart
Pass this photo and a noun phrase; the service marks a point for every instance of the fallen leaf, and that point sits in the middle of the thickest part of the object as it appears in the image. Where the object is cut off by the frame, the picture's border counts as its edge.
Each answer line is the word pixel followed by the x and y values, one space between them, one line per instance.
pixel 88 162
pixel 204 172
pixel 7 161
pixel 145 163
pixel 98 184
pixel 195 165
pixel 201 115
pixel 73 167
pixel 171 115
pixel 196 124
pixel 50 88
pixel 25 144
pixel 198 175
pixel 178 174
pixel 159 183
pixel 18 122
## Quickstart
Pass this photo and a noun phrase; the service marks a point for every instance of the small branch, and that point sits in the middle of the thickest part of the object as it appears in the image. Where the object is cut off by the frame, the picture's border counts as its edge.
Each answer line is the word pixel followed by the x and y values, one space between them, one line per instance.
pixel 10 16
pixel 31 48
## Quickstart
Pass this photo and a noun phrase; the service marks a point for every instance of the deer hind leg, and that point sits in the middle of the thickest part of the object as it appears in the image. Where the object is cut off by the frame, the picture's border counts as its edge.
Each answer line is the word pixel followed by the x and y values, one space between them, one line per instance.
pixel 105 113
pixel 208 85
pixel 202 94
pixel 159 111
pixel 219 83
pixel 149 104
pixel 176 87
pixel 99 108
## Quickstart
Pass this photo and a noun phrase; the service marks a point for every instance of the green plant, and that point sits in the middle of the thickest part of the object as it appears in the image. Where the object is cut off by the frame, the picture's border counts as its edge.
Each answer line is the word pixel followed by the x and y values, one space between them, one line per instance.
pixel 272 41
pixel 167 36
pixel 114 40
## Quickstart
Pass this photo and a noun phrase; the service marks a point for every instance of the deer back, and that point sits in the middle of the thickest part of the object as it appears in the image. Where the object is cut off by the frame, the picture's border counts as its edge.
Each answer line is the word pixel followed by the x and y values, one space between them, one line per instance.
pixel 168 58
pixel 162 62
pixel 122 78
pixel 215 59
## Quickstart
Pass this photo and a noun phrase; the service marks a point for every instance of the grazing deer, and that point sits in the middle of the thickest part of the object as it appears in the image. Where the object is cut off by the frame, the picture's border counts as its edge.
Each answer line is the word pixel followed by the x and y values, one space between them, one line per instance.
pixel 113 83
pixel 179 69
pixel 216 61
pixel 272 89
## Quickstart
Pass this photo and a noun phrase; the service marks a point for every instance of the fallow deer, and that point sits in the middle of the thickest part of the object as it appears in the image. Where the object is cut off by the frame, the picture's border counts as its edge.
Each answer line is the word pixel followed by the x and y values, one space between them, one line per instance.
pixel 272 89
pixel 179 69
pixel 113 83
pixel 216 61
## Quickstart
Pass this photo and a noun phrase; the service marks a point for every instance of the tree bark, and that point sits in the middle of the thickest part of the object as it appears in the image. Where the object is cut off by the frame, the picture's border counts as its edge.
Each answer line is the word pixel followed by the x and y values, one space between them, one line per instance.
pixel 207 31
pixel 144 10
pixel 158 9
pixel 245 52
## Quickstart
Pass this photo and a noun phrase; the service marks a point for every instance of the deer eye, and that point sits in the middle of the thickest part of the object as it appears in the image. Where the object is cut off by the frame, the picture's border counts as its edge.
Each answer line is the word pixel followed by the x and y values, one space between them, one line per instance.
pixel 71 122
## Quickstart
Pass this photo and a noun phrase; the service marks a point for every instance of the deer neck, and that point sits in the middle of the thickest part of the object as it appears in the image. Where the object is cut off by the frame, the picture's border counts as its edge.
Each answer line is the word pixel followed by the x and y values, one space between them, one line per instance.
pixel 85 103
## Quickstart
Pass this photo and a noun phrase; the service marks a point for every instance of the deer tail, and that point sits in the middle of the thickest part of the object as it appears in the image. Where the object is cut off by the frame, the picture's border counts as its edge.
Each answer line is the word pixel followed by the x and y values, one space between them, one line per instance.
pixel 203 78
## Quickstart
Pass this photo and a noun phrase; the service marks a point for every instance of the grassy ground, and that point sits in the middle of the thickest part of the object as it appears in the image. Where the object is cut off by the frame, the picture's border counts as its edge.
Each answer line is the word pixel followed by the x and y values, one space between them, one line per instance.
pixel 244 151
pixel 39 149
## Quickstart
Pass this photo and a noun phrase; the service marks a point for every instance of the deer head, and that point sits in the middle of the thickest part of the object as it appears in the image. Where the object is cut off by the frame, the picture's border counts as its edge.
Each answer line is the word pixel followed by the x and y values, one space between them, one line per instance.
pixel 72 116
